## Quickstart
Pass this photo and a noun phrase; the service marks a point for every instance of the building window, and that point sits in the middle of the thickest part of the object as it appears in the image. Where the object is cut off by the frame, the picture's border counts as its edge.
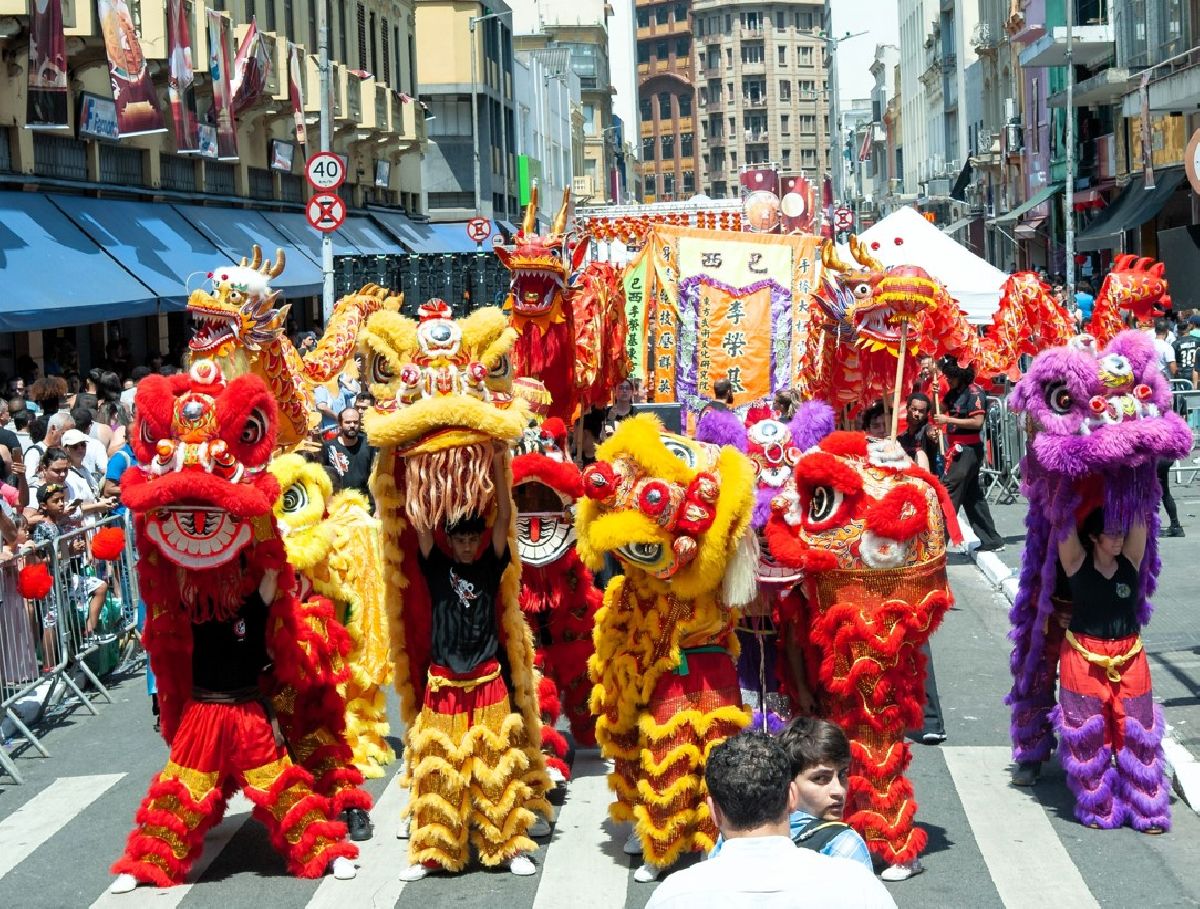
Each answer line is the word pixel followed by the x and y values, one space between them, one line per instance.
pixel 343 31
pixel 808 90
pixel 668 182
pixel 785 90
pixel 808 124
pixel 689 182
pixel 752 53
pixel 362 36
pixel 589 119
pixel 728 24
pixel 685 105
pixel 733 160
pixel 685 145
pixel 703 90
pixel 660 50
pixel 787 157
pixel 643 17
pixel 645 110
pixel 681 13
pixel 643 53
pixel 808 157
pixel 387 51
pixel 660 14
pixel 782 55
pixel 664 105
pixel 312 24
pixel 785 125
pixel 780 24
pixel 648 148
pixel 668 147
pixel 683 48
pixel 806 55
pixel 729 58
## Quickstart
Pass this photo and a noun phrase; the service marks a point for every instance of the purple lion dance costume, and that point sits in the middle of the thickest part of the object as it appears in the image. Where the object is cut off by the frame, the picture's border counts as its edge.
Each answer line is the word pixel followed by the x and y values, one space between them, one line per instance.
pixel 774 447
pixel 1100 422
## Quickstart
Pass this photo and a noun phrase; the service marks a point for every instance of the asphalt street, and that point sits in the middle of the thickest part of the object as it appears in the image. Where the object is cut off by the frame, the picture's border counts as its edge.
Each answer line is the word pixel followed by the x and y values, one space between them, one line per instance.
pixel 989 845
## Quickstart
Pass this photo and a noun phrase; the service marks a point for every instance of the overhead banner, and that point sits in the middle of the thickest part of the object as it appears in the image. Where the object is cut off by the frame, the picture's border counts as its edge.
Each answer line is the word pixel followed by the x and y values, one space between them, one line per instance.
pixel 635 313
pixel 181 87
pixel 760 199
pixel 796 205
pixel 734 306
pixel 296 93
pixel 133 91
pixel 219 40
pixel 251 69
pixel 46 107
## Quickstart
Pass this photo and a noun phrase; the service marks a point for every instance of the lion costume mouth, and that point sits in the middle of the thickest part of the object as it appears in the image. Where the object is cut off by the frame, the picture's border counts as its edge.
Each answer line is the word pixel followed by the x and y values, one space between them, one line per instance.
pixel 198 537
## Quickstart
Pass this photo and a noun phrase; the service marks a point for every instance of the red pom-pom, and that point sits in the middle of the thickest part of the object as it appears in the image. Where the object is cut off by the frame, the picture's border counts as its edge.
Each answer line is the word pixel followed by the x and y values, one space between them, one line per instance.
pixel 899 241
pixel 108 543
pixel 34 581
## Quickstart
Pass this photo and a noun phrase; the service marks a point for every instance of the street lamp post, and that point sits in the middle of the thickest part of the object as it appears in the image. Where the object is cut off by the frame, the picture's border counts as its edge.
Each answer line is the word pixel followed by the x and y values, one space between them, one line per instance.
pixel 835 126
pixel 472 22
pixel 1069 196
pixel 326 237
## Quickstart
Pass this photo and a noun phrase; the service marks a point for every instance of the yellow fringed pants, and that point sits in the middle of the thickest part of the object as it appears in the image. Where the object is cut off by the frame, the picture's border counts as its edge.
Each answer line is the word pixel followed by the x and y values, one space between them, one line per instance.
pixel 468 772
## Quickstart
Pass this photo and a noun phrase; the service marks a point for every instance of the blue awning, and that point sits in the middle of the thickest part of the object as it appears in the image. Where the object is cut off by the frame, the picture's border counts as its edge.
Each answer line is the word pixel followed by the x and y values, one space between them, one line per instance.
pixel 452 238
pixel 293 224
pixel 236 230
pixel 369 237
pixel 150 239
pixel 416 236
pixel 53 275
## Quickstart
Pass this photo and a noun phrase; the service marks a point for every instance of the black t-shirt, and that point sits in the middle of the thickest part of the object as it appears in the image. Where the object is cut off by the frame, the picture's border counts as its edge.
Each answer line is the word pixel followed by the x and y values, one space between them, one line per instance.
pixel 1185 356
pixel 913 441
pixel 462 597
pixel 1105 607
pixel 968 401
pixel 230 656
pixel 352 464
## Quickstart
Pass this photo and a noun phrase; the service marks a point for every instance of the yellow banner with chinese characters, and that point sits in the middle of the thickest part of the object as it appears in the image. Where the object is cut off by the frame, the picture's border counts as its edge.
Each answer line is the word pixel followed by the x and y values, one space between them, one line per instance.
pixel 738 308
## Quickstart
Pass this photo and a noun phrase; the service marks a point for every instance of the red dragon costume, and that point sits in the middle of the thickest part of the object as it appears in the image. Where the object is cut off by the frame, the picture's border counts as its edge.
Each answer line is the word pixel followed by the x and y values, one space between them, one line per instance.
pixel 1138 286
pixel 557 594
pixel 221 607
pixel 868 529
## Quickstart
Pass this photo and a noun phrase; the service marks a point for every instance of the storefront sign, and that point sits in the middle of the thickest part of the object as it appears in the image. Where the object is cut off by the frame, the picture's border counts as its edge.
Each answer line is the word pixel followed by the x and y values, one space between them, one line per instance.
pixel 98 118
pixel 133 90
pixel 47 103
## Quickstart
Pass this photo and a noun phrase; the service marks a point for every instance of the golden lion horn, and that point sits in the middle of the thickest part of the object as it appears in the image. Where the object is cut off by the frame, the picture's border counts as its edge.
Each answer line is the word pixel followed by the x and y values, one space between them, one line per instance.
pixel 271 271
pixel 257 258
pixel 560 220
pixel 529 225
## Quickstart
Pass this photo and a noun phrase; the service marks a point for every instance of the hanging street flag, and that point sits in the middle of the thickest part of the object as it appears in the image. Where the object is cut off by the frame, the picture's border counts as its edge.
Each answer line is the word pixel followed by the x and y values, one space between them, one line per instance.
pixel 296 93
pixel 868 143
pixel 47 102
pixel 635 312
pixel 796 210
pixel 1146 133
pixel 221 115
pixel 181 86
pixel 251 69
pixel 133 90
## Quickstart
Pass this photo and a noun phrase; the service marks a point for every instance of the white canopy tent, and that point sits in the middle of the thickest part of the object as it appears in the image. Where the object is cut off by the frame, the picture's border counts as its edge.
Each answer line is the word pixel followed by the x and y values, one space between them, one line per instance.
pixel 905 238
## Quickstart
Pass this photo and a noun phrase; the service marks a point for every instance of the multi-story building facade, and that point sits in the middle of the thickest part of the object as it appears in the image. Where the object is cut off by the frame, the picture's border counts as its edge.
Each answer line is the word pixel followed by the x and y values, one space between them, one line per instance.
pixel 547 92
pixel 666 99
pixel 449 81
pixel 763 89
pixel 581 26
pixel 878 154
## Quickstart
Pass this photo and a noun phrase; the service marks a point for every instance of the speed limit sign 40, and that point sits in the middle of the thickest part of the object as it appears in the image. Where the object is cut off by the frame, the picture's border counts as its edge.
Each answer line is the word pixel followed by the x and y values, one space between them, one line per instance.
pixel 325 170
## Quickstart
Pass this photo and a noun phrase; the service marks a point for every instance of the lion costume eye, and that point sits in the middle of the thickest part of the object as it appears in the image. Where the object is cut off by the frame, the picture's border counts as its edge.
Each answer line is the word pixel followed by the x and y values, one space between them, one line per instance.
pixel 1058 398
pixel 255 429
pixel 295 498
pixel 501 369
pixel 381 370
pixel 823 503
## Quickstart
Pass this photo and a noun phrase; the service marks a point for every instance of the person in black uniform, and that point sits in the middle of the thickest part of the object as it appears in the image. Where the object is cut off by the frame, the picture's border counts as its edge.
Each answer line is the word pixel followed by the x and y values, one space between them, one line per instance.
pixel 963 412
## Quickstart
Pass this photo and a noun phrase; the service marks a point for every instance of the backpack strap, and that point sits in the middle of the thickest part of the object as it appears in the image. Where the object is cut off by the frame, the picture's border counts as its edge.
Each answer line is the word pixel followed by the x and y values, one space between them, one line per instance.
pixel 817 834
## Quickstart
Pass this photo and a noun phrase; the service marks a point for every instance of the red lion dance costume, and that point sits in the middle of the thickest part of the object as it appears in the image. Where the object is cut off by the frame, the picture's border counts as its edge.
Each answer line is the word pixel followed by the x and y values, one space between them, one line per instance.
pixel 221 606
pixel 867 526
pixel 557 594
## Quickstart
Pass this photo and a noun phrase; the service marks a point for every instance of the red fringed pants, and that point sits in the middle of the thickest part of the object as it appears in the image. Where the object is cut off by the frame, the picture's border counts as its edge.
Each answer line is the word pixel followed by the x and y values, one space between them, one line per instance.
pixel 217 748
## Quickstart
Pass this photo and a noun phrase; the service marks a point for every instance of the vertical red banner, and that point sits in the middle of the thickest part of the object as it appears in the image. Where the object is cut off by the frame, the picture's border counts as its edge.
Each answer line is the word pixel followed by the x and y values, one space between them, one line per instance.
pixel 296 93
pixel 47 103
pixel 760 200
pixel 181 86
pixel 796 205
pixel 219 40
pixel 251 69
pixel 133 90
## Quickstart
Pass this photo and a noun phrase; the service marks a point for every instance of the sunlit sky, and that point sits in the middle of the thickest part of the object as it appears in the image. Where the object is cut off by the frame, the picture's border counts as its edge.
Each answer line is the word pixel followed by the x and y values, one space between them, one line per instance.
pixel 879 19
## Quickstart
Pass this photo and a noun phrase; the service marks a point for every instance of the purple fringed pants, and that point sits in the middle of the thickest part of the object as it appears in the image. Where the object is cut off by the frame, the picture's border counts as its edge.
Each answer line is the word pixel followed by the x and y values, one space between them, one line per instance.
pixel 1110 733
pixel 1032 731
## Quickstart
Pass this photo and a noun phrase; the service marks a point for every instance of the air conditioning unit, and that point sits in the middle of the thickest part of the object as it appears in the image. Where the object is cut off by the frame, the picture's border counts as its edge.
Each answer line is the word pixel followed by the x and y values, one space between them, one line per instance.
pixel 583 188
pixel 938 187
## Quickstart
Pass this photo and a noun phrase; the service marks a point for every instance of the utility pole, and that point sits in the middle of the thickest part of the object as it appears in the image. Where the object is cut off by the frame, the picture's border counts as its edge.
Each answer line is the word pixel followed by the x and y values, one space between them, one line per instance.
pixel 326 237
pixel 475 112
pixel 1069 195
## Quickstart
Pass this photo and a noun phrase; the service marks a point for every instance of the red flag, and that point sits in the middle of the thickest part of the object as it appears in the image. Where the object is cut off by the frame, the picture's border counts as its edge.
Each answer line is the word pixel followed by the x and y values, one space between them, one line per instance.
pixel 251 69
pixel 181 88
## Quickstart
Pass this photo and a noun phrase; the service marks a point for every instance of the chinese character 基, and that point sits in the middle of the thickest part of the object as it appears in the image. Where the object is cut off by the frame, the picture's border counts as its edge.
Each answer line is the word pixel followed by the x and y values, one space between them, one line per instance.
pixel 734 376
pixel 734 344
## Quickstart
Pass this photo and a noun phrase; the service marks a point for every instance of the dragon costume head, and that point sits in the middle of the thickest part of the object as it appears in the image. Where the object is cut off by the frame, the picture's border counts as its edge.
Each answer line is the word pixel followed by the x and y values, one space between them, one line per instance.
pixel 1134 285
pixel 546 486
pixel 239 311
pixel 201 491
pixel 672 509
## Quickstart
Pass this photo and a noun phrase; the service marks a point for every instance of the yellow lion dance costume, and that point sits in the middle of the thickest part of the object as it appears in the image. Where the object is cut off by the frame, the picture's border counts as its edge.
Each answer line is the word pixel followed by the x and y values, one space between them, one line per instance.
pixel 675 512
pixel 333 543
pixel 443 391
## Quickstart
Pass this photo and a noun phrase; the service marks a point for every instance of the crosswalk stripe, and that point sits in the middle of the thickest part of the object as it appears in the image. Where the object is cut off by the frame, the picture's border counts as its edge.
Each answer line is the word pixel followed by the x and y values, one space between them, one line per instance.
pixel 1026 860
pixel 583 859
pixel 237 812
pixel 380 860
pixel 46 813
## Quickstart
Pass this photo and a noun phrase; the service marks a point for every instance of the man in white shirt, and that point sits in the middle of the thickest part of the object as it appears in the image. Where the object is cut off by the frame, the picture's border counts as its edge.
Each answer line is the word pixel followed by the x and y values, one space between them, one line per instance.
pixel 751 794
pixel 1164 348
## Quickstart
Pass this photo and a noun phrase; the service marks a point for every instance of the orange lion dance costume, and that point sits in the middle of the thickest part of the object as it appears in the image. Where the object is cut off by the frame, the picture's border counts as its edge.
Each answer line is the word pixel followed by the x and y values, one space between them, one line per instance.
pixel 222 607
pixel 867 526
pixel 676 513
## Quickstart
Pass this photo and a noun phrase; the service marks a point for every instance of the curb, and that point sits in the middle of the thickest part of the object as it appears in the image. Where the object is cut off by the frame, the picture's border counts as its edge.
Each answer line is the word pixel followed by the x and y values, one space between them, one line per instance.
pixel 1184 765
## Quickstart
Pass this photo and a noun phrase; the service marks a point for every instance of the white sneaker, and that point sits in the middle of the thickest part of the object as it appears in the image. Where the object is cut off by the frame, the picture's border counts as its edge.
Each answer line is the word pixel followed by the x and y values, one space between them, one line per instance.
pixel 633 846
pixel 125 883
pixel 522 866
pixel 402 829
pixel 647 873
pixel 417 872
pixel 343 869
pixel 901 871
pixel 556 775
pixel 540 828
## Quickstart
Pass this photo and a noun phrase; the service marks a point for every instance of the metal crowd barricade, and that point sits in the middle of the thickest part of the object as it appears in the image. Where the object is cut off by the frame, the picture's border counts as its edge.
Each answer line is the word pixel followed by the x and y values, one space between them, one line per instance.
pixel 45 649
pixel 1187 405
pixel 1004 441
